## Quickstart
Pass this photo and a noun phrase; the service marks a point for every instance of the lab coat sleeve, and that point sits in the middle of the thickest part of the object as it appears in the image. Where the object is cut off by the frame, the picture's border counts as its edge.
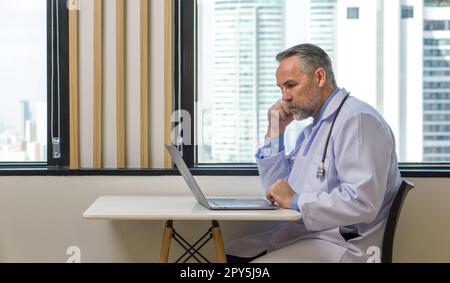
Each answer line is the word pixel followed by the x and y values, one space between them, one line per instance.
pixel 273 168
pixel 362 148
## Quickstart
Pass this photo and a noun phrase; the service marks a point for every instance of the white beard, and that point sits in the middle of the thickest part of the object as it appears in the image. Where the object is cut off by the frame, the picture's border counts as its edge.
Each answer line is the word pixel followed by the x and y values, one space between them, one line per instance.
pixel 300 115
pixel 307 111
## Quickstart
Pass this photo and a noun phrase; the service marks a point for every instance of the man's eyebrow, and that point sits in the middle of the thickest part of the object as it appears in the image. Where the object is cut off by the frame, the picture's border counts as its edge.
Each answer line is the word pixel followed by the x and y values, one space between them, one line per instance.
pixel 290 82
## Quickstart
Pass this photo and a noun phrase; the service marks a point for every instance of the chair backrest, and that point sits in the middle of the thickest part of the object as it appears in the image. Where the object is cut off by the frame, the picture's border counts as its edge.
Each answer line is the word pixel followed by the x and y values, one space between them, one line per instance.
pixel 394 213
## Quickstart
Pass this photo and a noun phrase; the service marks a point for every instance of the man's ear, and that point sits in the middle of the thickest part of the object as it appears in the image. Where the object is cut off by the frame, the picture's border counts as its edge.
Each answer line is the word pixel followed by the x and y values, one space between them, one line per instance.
pixel 321 77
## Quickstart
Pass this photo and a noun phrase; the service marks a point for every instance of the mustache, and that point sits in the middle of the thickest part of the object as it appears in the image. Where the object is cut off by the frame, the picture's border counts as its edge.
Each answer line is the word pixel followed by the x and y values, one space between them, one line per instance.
pixel 291 106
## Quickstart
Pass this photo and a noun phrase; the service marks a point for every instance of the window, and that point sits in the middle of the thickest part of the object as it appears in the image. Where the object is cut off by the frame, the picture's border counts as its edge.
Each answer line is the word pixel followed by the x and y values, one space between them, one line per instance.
pixel 437 3
pixel 436 42
pixel 25 78
pixel 353 13
pixel 23 81
pixel 434 25
pixel 407 12
pixel 235 44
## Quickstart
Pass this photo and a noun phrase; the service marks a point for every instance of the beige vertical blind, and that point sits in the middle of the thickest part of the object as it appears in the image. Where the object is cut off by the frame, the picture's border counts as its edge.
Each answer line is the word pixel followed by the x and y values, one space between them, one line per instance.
pixel 168 79
pixel 73 85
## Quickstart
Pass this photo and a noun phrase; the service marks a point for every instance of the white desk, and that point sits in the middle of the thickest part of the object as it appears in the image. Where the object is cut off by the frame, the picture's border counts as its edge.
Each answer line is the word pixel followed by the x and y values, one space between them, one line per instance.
pixel 170 208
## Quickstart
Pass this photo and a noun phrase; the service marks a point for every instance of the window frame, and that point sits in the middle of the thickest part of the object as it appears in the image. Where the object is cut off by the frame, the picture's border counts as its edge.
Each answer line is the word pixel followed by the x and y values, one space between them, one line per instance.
pixel 185 29
pixel 63 105
pixel 184 69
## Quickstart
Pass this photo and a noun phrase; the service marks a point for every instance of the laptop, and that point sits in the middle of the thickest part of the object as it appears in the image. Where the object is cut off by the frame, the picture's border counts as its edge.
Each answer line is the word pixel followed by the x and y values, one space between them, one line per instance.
pixel 216 203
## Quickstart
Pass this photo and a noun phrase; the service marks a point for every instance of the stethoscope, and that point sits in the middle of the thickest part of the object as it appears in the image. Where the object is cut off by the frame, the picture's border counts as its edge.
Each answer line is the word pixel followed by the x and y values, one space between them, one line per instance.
pixel 321 169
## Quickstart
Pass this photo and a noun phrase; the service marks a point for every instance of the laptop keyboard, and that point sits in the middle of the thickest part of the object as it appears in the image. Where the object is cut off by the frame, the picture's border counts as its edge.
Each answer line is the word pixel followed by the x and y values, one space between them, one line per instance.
pixel 223 202
pixel 236 203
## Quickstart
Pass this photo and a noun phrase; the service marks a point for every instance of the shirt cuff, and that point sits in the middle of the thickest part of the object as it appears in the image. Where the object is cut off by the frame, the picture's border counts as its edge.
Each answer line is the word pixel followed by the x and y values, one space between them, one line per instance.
pixel 271 147
pixel 294 201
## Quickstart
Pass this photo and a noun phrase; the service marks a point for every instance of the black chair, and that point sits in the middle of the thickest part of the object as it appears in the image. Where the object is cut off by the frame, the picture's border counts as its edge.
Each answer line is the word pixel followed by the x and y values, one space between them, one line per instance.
pixel 394 213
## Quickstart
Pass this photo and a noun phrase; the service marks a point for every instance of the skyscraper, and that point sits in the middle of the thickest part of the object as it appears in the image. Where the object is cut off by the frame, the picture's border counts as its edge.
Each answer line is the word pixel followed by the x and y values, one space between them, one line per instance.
pixel 436 81
pixel 379 55
pixel 322 25
pixel 23 115
pixel 247 36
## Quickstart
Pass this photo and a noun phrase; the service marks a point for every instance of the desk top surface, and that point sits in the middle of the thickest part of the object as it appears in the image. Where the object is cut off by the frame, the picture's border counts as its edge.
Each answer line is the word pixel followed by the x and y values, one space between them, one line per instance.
pixel 175 208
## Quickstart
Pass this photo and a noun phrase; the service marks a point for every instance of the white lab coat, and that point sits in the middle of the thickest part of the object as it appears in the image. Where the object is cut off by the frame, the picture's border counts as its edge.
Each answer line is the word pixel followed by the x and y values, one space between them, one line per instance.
pixel 361 180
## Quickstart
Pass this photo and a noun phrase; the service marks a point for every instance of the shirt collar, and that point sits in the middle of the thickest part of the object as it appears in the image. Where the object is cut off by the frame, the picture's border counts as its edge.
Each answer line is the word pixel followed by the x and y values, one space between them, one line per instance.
pixel 319 115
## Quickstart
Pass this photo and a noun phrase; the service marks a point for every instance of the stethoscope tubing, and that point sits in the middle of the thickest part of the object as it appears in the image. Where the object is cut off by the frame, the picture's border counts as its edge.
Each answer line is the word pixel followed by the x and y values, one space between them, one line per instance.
pixel 321 170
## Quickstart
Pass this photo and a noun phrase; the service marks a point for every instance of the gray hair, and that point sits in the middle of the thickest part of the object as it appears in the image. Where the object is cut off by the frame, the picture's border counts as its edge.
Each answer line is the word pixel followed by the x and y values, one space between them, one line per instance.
pixel 311 57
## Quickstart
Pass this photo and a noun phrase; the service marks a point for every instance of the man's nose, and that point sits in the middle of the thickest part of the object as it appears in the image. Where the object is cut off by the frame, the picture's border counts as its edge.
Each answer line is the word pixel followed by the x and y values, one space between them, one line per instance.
pixel 285 96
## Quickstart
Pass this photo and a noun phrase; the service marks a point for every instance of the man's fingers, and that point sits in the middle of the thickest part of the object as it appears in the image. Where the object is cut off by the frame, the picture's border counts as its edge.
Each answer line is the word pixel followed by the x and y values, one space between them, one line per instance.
pixel 269 196
pixel 282 114
pixel 281 110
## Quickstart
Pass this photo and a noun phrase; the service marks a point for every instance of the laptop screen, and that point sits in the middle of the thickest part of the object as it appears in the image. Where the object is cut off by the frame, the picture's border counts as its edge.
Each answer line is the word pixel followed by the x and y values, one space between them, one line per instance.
pixel 186 173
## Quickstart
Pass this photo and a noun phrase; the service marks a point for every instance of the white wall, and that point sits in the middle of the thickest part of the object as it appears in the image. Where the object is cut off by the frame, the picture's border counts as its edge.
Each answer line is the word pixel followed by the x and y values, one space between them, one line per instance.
pixel 40 217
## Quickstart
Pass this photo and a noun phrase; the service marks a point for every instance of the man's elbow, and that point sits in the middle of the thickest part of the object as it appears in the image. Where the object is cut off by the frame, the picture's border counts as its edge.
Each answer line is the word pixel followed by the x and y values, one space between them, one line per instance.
pixel 368 212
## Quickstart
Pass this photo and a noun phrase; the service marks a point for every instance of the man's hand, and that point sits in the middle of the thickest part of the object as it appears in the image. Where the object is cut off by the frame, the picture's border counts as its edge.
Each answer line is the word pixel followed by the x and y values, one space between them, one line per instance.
pixel 281 193
pixel 279 112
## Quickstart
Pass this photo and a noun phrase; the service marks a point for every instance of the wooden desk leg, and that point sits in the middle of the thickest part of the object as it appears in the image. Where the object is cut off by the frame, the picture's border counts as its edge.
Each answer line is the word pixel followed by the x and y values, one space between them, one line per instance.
pixel 165 247
pixel 218 243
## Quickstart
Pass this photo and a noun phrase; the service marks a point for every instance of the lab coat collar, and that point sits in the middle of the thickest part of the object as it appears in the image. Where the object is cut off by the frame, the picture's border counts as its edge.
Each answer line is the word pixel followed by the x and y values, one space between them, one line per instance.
pixel 333 105
pixel 319 115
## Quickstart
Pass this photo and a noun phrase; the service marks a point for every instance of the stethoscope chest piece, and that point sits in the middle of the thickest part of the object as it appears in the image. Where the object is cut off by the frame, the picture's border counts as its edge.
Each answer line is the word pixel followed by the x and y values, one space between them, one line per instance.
pixel 321 170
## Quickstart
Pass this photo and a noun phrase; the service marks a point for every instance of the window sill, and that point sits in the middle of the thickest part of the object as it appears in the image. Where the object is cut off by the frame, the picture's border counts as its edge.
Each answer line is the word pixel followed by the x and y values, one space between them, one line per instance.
pixel 407 170
pixel 50 171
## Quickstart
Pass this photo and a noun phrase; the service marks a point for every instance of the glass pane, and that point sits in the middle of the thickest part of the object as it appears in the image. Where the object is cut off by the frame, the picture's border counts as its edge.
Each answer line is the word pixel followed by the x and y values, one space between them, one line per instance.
pixel 407 12
pixel 353 13
pixel 400 67
pixel 437 3
pixel 23 80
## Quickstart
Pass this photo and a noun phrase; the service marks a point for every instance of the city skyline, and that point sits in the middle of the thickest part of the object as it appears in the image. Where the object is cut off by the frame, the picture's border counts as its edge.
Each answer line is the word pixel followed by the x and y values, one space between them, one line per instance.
pixel 27 141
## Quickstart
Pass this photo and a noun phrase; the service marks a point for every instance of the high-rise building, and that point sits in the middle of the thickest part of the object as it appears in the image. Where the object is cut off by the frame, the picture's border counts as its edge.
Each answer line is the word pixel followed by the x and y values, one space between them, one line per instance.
pixel 30 131
pixel 381 42
pixel 247 36
pixel 322 25
pixel 41 119
pixel 436 81
pixel 23 115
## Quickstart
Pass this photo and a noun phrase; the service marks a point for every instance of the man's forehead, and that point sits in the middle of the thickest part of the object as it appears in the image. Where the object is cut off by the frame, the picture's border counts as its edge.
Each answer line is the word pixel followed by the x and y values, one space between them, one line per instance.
pixel 288 70
pixel 290 65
